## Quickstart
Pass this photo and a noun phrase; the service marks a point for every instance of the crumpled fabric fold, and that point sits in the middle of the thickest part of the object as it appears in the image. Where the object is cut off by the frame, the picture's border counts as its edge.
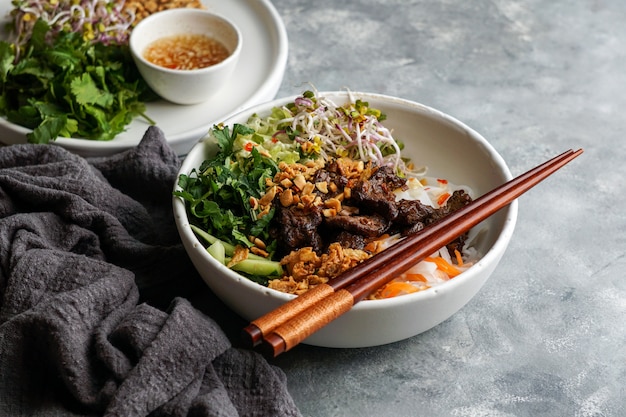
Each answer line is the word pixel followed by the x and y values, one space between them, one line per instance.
pixel 93 315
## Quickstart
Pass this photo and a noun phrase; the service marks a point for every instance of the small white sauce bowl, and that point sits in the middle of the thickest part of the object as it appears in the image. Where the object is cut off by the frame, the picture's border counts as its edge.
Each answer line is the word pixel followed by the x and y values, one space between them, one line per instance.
pixel 185 86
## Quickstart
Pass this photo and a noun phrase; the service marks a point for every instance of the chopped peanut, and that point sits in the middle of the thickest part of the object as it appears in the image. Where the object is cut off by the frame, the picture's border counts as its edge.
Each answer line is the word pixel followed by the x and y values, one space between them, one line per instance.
pixel 299 181
pixel 143 9
pixel 259 243
pixel 329 212
pixel 254 203
pixel 322 186
pixel 333 203
pixel 307 199
pixel 286 198
pixel 264 212
pixel 286 183
pixel 308 188
pixel 259 251
pixel 269 196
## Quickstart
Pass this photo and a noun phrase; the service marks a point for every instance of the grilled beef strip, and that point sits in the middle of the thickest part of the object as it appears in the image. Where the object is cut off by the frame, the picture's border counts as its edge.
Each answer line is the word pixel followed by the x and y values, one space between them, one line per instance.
pixel 377 212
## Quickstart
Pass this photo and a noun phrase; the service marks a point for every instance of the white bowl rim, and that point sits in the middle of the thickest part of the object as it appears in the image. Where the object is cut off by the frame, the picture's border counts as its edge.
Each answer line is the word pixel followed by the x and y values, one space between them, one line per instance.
pixel 496 249
pixel 186 11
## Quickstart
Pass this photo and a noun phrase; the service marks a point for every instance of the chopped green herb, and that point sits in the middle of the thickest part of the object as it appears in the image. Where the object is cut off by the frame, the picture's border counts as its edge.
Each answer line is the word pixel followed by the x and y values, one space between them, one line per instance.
pixel 218 193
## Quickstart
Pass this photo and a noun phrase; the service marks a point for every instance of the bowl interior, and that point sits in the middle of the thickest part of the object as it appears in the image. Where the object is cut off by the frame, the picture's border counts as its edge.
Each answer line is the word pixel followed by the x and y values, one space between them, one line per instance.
pixel 450 150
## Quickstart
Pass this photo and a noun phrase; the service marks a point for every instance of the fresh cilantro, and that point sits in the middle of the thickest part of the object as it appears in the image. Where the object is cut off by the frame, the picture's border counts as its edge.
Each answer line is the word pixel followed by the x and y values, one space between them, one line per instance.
pixel 87 92
pixel 68 87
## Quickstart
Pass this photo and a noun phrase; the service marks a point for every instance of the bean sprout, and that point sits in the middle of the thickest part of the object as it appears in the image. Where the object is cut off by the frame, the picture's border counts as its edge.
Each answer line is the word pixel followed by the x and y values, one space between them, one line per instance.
pixel 99 21
pixel 352 130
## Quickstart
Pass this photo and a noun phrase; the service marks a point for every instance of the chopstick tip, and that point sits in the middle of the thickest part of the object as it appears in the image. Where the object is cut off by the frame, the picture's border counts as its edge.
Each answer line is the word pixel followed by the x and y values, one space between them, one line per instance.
pixel 273 345
pixel 251 335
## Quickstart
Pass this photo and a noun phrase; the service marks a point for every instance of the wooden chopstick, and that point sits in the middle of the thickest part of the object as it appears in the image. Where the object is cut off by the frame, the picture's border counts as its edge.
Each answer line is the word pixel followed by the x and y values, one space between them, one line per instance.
pixel 289 324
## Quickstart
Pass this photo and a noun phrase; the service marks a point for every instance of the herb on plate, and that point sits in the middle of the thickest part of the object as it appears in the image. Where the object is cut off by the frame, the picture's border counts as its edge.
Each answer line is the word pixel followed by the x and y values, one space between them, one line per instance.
pixel 66 86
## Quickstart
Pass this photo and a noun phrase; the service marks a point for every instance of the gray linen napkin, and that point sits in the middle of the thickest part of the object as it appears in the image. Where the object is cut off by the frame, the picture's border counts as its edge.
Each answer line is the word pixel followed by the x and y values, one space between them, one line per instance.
pixel 93 319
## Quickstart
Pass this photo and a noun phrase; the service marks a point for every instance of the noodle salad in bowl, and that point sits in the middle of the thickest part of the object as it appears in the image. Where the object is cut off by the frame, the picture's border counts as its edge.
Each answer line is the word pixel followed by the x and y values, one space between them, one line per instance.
pixel 332 169
pixel 291 193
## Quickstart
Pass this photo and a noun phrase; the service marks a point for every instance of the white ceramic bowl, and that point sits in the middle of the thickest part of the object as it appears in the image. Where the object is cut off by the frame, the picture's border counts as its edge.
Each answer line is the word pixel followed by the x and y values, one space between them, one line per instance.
pixel 451 150
pixel 186 86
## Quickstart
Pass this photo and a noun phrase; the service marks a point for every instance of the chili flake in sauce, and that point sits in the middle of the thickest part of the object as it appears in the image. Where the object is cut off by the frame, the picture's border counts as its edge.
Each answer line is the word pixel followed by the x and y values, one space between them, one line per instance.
pixel 186 52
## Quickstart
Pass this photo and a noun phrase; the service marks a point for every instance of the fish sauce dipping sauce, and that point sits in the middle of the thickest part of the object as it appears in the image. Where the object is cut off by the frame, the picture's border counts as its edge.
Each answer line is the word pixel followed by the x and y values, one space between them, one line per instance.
pixel 186 52
pixel 186 55
pixel 454 157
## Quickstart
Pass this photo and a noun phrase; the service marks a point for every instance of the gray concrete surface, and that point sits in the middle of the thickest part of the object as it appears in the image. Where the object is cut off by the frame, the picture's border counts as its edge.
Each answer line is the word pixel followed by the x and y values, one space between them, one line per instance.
pixel 546 335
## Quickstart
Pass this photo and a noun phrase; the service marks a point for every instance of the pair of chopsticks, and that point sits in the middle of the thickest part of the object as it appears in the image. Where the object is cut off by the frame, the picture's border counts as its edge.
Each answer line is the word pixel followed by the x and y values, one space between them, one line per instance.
pixel 291 323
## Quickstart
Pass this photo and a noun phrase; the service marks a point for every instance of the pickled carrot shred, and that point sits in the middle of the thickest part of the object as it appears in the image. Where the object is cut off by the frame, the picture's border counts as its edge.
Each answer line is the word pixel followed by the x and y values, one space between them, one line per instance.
pixel 444 266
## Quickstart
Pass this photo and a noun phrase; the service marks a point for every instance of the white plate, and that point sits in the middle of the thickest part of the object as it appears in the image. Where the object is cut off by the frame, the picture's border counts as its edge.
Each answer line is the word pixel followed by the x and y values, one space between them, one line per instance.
pixel 256 79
